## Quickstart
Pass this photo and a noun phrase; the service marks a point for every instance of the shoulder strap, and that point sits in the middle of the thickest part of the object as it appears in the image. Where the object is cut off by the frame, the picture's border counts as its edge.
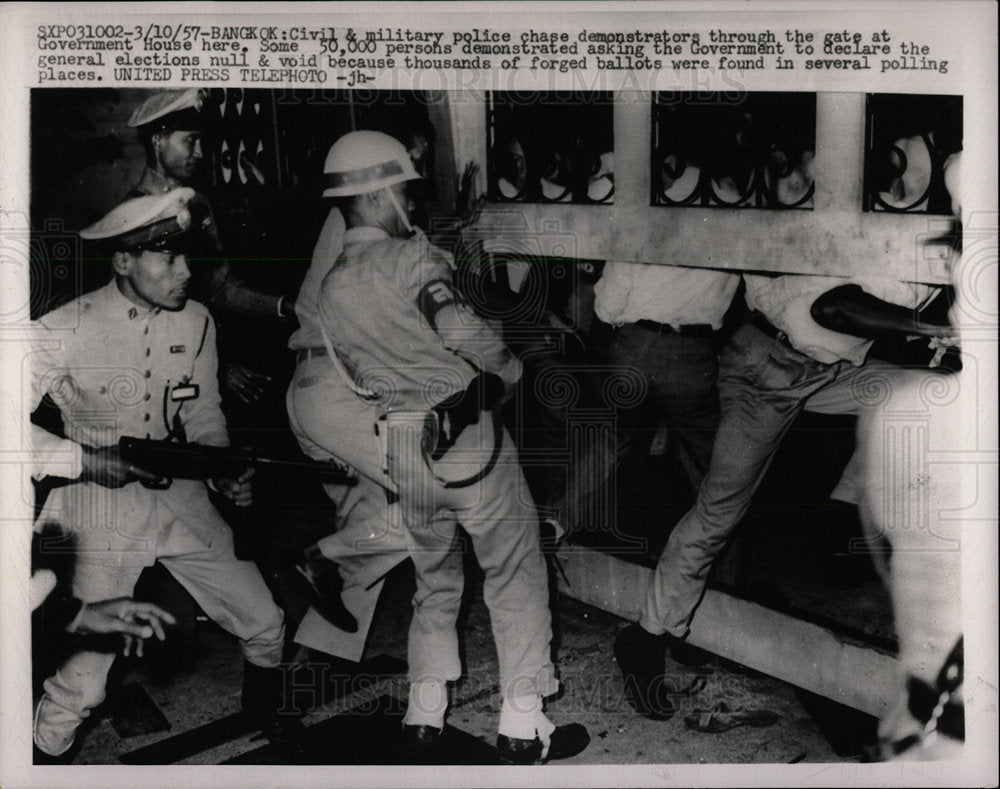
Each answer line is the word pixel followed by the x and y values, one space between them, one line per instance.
pixel 360 391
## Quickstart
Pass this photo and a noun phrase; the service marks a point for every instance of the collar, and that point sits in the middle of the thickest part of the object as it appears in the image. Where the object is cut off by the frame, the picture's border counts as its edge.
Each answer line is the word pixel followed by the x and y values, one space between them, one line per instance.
pixel 357 235
pixel 153 183
pixel 120 305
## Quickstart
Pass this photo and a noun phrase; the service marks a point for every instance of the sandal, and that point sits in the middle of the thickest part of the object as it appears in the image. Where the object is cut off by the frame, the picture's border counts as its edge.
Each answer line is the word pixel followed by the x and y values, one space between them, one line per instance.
pixel 720 718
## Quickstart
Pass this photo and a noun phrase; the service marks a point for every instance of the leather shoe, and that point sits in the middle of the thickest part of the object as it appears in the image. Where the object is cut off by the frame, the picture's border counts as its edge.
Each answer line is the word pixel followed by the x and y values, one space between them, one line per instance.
pixel 566 741
pixel 641 656
pixel 40 757
pixel 418 744
pixel 325 586
pixel 287 736
pixel 688 654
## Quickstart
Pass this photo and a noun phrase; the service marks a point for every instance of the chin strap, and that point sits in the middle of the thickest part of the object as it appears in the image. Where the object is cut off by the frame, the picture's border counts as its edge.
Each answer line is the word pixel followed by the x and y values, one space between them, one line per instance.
pixel 399 210
pixel 360 391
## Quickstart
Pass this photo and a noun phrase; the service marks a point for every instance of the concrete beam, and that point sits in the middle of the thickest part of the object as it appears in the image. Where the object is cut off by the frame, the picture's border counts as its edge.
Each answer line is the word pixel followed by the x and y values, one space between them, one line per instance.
pixel 800 653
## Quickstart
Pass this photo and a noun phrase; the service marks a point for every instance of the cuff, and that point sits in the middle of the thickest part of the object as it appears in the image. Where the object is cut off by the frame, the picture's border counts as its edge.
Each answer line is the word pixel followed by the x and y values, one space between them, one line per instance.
pixel 522 717
pixel 428 701
pixel 63 460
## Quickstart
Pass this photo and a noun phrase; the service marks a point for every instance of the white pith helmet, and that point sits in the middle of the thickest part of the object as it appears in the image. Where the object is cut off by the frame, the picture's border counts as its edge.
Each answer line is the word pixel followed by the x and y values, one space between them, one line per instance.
pixel 366 161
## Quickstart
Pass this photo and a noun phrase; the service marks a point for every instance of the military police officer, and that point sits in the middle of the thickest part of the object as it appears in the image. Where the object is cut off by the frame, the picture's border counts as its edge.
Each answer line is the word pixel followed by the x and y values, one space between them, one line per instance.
pixel 137 358
pixel 432 375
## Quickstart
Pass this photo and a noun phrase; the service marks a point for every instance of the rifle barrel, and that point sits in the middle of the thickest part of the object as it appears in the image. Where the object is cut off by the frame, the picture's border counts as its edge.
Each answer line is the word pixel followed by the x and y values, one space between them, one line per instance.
pixel 152 451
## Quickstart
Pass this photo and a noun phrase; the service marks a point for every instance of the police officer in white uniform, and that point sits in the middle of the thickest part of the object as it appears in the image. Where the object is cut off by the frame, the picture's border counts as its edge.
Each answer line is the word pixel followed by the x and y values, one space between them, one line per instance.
pixel 367 539
pixel 324 413
pixel 137 358
pixel 398 336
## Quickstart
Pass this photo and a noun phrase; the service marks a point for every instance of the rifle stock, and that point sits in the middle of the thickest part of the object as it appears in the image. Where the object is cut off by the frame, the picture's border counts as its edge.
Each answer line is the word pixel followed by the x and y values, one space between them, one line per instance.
pixel 173 460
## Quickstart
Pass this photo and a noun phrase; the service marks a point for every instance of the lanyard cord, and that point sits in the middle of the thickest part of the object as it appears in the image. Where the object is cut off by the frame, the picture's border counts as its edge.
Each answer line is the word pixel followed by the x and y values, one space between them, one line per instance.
pixel 497 420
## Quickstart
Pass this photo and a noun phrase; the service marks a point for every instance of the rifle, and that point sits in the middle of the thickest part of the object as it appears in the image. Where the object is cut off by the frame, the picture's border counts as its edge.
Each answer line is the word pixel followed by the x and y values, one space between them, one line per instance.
pixel 169 460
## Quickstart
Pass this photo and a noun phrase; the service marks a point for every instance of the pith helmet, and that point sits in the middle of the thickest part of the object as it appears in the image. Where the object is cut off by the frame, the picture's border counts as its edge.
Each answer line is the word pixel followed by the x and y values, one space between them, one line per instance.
pixel 366 161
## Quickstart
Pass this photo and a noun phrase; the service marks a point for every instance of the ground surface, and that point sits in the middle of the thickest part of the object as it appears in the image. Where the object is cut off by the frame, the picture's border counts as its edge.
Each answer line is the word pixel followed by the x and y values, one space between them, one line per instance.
pixel 593 695
pixel 781 559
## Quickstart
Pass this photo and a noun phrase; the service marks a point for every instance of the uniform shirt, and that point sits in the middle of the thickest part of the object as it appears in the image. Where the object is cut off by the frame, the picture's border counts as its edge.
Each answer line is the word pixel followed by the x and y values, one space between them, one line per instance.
pixel 786 301
pixel 110 367
pixel 398 326
pixel 629 292
pixel 328 248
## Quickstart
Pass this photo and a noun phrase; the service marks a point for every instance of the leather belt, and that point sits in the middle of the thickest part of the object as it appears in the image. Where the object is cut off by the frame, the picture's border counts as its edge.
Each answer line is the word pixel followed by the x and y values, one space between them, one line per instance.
pixel 310 353
pixel 687 330
pixel 769 329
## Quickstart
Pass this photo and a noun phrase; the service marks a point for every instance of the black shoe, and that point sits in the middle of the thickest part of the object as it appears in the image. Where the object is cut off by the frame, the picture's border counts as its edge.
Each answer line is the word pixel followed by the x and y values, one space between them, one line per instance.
pixel 566 741
pixel 641 657
pixel 419 744
pixel 287 736
pixel 40 757
pixel 263 701
pixel 325 586
pixel 688 654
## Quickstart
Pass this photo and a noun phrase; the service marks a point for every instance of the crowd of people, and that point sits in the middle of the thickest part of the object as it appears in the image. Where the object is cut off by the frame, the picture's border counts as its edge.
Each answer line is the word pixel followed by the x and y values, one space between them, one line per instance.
pixel 401 380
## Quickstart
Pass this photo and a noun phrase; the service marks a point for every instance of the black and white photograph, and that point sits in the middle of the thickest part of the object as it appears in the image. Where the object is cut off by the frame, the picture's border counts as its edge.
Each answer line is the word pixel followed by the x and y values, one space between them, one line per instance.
pixel 363 427
pixel 552 147
pixel 755 151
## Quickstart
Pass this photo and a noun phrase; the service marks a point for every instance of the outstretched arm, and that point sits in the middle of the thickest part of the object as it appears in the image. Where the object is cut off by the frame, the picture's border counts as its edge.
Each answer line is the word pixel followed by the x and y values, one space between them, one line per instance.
pixel 850 310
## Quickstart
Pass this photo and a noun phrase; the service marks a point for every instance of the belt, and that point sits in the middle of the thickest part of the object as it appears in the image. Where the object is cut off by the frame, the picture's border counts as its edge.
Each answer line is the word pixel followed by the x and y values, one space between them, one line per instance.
pixel 687 330
pixel 310 353
pixel 769 329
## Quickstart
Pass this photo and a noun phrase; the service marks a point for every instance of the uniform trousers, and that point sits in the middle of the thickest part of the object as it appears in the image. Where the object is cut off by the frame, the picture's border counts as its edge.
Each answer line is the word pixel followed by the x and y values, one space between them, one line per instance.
pixel 367 539
pixel 497 512
pixel 763 386
pixel 500 517
pixel 230 591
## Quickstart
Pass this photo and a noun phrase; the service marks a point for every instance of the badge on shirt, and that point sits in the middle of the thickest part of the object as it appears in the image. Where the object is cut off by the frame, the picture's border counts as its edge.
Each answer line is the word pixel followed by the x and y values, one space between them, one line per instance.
pixel 177 349
pixel 183 392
